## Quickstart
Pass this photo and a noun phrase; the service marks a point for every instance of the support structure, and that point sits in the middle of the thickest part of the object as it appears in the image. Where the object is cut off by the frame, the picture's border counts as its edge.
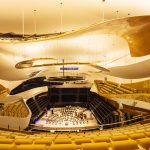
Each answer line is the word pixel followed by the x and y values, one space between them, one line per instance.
pixel 63 67
pixel 35 27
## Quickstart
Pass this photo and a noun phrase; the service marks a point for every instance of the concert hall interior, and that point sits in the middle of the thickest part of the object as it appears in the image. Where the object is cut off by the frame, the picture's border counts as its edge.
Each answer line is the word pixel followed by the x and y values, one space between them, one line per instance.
pixel 74 75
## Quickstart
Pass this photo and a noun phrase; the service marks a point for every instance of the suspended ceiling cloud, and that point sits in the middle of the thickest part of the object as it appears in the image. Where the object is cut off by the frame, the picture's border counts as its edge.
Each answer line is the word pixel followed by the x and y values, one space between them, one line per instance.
pixel 83 44
pixel 134 71
pixel 135 30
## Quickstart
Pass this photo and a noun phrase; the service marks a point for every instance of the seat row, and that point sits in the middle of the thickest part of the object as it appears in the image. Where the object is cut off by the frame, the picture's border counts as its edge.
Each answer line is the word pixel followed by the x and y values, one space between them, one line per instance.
pixel 83 144
pixel 109 87
pixel 17 109
pixel 123 138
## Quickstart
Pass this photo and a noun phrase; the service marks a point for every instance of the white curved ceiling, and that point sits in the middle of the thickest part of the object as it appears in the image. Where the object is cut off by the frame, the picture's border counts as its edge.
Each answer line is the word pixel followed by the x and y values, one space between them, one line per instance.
pixel 108 50
pixel 134 71
pixel 75 14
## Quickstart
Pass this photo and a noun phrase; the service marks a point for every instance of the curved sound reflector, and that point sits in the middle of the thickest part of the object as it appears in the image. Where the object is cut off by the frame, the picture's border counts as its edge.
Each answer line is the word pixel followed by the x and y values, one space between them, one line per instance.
pixel 135 30
pixel 99 67
pixel 134 71
pixel 34 62
pixel 41 62
pixel 31 63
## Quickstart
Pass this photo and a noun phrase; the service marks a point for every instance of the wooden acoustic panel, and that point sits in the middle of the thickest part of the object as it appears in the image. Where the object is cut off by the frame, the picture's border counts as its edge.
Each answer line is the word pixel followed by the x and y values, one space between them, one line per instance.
pixel 135 30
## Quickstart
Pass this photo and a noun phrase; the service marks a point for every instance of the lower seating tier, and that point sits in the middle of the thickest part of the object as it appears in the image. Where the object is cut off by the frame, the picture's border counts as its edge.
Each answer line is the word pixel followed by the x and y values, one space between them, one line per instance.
pixel 135 137
pixel 83 144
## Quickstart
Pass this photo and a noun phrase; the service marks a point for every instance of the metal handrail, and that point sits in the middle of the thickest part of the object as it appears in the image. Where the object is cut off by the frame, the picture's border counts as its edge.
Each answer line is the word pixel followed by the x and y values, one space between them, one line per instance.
pixel 102 126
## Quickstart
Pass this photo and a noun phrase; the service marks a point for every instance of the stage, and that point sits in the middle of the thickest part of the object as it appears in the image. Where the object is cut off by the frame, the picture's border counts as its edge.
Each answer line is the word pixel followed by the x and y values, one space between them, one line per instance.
pixel 66 118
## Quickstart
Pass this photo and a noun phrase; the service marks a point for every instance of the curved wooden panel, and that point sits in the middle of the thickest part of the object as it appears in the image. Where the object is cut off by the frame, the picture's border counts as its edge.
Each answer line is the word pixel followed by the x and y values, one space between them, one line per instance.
pixel 135 30
pixel 134 71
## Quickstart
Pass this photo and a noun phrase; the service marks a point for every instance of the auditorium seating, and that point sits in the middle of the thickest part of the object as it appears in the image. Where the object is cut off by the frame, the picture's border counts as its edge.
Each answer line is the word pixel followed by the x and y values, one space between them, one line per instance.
pixel 101 139
pixel 7 147
pixel 115 139
pixel 121 91
pixel 37 105
pixel 144 142
pixel 43 141
pixel 106 113
pixel 31 147
pixel 109 87
pixel 124 145
pixel 2 87
pixel 42 100
pixel 3 91
pixel 128 89
pixel 95 146
pixel 29 84
pixel 17 109
pixel 79 141
pixel 62 141
pixel 35 109
pixel 32 83
pixel 125 138
pixel 63 147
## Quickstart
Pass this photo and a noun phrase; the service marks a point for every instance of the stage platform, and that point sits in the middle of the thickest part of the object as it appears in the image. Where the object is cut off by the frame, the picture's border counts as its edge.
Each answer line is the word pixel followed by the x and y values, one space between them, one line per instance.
pixel 66 118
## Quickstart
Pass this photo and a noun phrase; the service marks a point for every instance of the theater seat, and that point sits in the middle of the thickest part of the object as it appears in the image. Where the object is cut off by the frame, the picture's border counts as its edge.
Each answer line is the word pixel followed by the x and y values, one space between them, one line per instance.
pixel 124 145
pixel 144 142
pixel 31 147
pixel 63 147
pixel 101 139
pixel 135 136
pixel 6 141
pixel 95 146
pixel 7 147
pixel 147 133
pixel 82 140
pixel 23 141
pixel 119 137
pixel 62 141
pixel 43 141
